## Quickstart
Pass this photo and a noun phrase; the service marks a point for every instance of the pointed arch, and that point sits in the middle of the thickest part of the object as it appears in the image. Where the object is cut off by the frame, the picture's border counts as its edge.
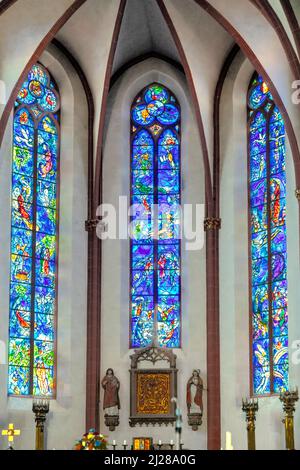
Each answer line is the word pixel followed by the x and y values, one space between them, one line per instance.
pixel 155 219
pixel 34 236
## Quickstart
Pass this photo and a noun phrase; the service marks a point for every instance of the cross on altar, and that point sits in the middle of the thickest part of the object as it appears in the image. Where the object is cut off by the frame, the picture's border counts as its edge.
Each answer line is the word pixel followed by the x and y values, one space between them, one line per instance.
pixel 11 433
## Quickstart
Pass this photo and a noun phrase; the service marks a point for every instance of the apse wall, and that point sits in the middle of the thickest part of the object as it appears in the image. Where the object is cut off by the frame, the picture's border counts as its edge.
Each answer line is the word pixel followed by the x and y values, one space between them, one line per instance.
pixel 115 253
pixel 66 419
pixel 234 294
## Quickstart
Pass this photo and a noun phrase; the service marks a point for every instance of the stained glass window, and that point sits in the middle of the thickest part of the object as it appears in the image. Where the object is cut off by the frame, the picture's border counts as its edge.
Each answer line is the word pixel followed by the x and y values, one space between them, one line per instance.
pixel 267 195
pixel 155 219
pixel 34 222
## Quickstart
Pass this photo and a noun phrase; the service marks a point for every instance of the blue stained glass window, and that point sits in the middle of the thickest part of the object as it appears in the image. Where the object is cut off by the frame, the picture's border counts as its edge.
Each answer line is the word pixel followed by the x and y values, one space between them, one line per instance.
pixel 155 220
pixel 267 193
pixel 33 237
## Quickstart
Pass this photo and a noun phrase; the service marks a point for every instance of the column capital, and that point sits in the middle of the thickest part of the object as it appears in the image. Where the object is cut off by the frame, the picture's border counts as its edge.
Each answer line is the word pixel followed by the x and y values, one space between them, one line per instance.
pixel 297 194
pixel 212 223
pixel 91 224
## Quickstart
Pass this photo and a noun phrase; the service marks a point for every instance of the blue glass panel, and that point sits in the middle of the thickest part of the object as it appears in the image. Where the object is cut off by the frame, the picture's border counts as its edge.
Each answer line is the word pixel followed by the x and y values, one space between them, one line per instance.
pixel 45 246
pixel 47 167
pixel 278 212
pixel 156 92
pixel 169 116
pixel 258 140
pixel 44 300
pixel 257 121
pixel 168 282
pixel 259 244
pixel 44 327
pixel 19 324
pixel 167 258
pixel 279 294
pixel 20 296
pixel 49 101
pixel 259 216
pixel 141 115
pixel 18 380
pixel 47 144
pixel 258 192
pixel 258 95
pixel 168 182
pixel 280 324
pixel 141 206
pixel 259 271
pixel 141 321
pixel 43 381
pixel 278 186
pixel 19 352
pixel 22 188
pixel 261 380
pixel 261 353
pixel 23 117
pixel 278 266
pixel 281 378
pixel 168 318
pixel 142 257
pixel 260 298
pixel 22 214
pixel 20 268
pixel 45 273
pixel 141 231
pixel 46 220
pixel 277 159
pixel 21 242
pixel 142 157
pixel 142 283
pixel 280 349
pixel 43 354
pixel 258 168
pixel 142 182
pixel 23 136
pixel 169 207
pixel 260 324
pixel 278 239
pixel 46 194
pixel 168 157
pixel 169 230
pixel 22 161
pixel 47 124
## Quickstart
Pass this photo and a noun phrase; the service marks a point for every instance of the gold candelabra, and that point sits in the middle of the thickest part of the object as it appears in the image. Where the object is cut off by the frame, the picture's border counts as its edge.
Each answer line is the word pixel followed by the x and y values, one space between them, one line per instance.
pixel 289 399
pixel 40 409
pixel 250 407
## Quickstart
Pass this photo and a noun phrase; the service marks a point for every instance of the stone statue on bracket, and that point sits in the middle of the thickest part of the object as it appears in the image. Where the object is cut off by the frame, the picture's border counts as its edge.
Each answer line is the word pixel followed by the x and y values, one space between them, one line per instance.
pixel 111 401
pixel 194 401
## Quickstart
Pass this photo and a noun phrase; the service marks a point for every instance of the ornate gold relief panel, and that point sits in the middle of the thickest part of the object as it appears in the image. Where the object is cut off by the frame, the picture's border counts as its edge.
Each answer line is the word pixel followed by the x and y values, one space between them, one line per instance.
pixel 153 393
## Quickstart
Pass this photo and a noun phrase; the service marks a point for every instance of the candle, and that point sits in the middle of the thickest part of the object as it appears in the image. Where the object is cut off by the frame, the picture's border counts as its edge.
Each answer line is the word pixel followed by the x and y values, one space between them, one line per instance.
pixel 114 442
pixel 228 441
pixel 159 442
pixel 125 443
pixel 171 442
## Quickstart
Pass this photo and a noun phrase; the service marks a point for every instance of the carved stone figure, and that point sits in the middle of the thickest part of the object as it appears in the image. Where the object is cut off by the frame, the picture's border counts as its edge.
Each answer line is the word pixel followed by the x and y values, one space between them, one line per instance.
pixel 194 402
pixel 111 401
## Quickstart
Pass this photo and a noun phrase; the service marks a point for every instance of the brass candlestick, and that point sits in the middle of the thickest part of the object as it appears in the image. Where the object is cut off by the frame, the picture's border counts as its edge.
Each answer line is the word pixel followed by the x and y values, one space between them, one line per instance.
pixel 289 399
pixel 40 409
pixel 250 407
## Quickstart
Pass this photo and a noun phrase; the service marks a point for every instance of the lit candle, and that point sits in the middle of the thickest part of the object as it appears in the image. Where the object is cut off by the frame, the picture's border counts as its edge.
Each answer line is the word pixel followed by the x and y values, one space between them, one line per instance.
pixel 159 442
pixel 171 442
pixel 228 441
pixel 125 443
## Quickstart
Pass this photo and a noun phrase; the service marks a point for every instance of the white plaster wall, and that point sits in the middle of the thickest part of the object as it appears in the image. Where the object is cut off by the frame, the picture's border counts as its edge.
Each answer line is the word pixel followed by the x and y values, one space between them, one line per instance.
pixel 234 295
pixel 115 253
pixel 67 413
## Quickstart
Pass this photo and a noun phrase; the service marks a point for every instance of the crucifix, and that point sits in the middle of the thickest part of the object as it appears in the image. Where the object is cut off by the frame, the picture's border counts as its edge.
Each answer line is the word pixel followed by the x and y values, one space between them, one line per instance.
pixel 11 432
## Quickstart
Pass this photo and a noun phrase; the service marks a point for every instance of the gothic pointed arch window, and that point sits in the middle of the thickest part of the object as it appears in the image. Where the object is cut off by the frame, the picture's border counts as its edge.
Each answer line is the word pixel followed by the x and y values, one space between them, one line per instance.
pixel 155 220
pixel 268 246
pixel 34 224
